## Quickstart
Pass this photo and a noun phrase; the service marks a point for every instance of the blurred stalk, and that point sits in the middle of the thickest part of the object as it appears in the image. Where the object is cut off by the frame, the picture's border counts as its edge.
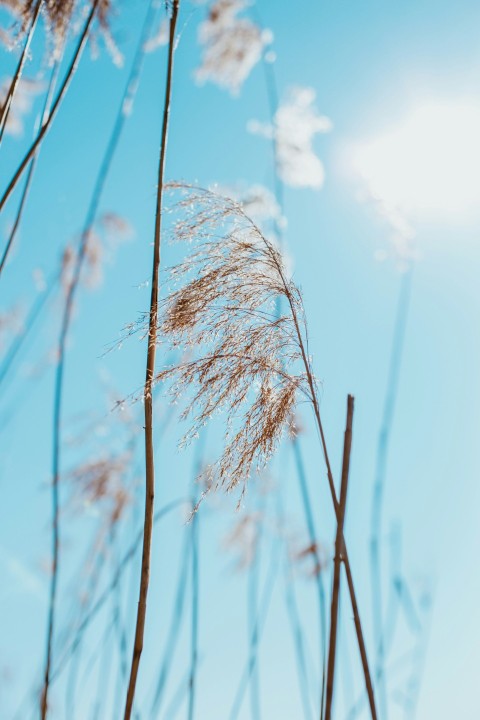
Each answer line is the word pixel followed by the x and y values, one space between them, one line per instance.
pixel 294 617
pixel 380 480
pixel 252 605
pixel 67 313
pixel 273 102
pixel 56 104
pixel 28 180
pixel 195 577
pixel 5 111
pixel 106 594
pixel 173 629
pixel 262 612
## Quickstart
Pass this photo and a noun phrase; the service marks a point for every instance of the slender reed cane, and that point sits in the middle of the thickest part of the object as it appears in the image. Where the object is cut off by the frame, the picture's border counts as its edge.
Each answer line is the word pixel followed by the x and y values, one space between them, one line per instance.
pixel 149 378
pixel 338 559
pixel 18 71
pixel 56 104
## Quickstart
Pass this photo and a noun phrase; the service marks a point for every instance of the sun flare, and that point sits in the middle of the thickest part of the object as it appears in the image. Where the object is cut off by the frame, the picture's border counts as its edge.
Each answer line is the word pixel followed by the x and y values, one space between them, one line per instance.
pixel 429 164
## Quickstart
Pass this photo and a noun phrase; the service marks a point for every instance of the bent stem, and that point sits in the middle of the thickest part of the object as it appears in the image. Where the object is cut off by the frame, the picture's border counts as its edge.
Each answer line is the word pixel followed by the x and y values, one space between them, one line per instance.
pixel 338 558
pixel 147 394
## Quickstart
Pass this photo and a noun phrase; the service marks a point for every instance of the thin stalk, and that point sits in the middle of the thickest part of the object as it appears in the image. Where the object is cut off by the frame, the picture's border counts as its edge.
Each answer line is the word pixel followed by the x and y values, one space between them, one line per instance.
pixel 380 479
pixel 61 93
pixel 26 187
pixel 18 71
pixel 338 559
pixel 65 325
pixel 149 378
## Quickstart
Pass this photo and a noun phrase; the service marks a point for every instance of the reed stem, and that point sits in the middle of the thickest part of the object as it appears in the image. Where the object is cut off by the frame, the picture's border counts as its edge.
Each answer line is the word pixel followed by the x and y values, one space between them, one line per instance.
pixel 149 378
pixel 338 559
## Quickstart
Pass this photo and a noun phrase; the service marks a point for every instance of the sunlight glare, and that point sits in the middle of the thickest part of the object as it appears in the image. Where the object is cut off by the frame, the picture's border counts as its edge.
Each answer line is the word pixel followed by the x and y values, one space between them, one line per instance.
pixel 429 164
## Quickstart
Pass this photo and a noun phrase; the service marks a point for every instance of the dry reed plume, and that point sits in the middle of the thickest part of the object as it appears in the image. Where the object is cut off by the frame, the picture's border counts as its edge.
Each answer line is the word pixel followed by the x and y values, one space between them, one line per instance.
pixel 250 366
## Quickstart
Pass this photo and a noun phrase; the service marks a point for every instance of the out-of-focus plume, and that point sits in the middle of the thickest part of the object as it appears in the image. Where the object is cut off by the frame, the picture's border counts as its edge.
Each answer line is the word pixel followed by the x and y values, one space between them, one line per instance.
pixel 294 126
pixel 232 46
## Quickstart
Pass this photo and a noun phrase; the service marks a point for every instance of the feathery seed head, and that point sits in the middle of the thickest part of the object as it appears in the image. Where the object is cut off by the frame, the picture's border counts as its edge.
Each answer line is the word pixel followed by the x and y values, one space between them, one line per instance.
pixel 222 308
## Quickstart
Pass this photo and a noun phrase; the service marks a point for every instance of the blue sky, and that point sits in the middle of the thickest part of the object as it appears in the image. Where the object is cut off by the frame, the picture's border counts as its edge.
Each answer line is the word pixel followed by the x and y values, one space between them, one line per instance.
pixel 370 64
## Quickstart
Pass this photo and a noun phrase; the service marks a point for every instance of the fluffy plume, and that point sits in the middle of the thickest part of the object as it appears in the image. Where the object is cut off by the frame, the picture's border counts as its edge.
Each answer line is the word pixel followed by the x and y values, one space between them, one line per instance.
pixel 92 272
pixel 100 483
pixel 296 123
pixel 11 323
pixel 243 539
pixel 59 18
pixel 223 307
pixel 311 559
pixel 115 230
pixel 232 46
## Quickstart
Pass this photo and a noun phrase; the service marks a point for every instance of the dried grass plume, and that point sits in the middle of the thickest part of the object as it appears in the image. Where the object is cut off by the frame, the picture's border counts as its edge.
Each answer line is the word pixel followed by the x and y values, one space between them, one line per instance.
pixel 247 362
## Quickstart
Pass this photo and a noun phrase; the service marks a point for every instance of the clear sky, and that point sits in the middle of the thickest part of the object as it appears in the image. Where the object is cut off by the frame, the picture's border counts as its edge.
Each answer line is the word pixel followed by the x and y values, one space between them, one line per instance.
pixel 372 65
